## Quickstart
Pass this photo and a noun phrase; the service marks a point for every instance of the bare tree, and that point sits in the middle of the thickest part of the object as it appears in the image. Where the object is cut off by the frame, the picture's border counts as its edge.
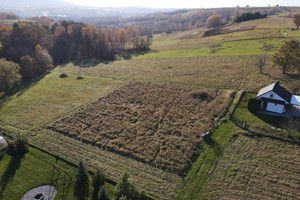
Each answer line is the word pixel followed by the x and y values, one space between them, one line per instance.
pixel 261 62
pixel 297 19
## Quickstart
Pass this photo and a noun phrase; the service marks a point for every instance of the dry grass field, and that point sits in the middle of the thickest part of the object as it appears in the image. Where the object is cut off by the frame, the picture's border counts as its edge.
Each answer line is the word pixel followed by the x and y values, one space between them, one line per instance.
pixel 256 168
pixel 229 72
pixel 220 61
pixel 158 124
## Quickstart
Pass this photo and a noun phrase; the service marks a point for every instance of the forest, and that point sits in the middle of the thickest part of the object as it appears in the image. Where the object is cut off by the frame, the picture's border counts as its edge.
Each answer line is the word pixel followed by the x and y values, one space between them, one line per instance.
pixel 36 47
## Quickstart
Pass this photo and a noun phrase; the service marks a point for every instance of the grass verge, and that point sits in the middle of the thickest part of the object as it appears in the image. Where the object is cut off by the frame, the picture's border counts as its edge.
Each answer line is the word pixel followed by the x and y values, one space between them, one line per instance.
pixel 201 170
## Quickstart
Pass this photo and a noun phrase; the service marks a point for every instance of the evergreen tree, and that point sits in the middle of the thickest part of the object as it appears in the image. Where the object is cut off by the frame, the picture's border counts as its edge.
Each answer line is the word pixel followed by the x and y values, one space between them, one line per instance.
pixel 126 188
pixel 98 181
pixel 81 191
pixel 102 195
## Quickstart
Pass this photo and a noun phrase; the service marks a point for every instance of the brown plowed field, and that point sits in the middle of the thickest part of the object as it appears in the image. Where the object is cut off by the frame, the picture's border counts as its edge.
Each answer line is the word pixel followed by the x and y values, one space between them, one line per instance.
pixel 154 123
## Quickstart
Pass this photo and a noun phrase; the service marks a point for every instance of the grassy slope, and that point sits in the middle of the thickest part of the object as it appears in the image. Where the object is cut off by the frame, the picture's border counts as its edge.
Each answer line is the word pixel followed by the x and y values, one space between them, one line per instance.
pixel 216 169
pixel 211 152
pixel 256 168
pixel 51 98
pixel 32 170
pixel 268 31
pixel 187 58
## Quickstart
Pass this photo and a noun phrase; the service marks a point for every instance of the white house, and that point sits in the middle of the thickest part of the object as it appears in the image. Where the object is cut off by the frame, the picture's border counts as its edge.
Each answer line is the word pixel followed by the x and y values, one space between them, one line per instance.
pixel 275 98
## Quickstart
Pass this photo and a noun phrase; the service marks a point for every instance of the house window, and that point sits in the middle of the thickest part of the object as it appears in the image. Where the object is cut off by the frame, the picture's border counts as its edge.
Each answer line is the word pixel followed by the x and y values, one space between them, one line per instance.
pixel 271 95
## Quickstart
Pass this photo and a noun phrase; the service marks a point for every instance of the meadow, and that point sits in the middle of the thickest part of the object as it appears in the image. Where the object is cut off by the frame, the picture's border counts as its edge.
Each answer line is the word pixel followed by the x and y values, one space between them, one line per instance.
pixel 256 168
pixel 50 98
pixel 176 60
pixel 188 58
pixel 236 72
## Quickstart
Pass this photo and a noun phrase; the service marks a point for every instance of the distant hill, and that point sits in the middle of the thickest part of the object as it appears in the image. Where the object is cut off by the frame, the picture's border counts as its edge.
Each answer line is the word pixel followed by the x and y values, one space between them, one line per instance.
pixel 63 10
pixel 34 4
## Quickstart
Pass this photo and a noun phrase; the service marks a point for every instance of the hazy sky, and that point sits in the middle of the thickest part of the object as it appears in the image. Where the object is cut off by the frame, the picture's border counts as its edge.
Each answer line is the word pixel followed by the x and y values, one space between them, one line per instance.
pixel 184 3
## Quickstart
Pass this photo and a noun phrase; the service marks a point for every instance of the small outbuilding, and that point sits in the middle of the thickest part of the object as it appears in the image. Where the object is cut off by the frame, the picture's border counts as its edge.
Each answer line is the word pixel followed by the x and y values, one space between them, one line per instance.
pixel 3 143
pixel 276 99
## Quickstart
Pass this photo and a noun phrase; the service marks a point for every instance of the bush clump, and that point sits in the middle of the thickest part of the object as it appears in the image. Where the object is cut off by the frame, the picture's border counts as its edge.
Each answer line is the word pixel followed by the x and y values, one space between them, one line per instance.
pixel 63 75
pixel 18 146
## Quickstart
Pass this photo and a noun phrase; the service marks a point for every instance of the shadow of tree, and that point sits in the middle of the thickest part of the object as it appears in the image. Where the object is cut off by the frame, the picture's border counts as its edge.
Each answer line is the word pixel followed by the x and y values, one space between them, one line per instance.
pixel 10 171
pixel 90 62
pixel 56 176
pixel 217 148
pixel 127 55
pixel 22 88
pixel 66 188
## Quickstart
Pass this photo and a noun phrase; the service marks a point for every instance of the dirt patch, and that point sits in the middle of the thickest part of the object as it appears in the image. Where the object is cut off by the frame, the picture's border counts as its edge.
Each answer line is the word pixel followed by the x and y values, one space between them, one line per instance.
pixel 154 123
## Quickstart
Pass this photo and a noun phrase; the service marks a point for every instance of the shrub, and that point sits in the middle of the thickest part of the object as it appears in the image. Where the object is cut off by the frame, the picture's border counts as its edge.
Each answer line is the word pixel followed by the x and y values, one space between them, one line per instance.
pixel 18 146
pixel 126 188
pixel 200 95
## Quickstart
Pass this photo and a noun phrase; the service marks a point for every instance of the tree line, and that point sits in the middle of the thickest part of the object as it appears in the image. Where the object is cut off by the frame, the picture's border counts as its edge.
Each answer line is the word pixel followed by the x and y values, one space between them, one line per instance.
pixel 124 190
pixel 33 48
pixel 249 16
pixel 180 20
pixel 8 16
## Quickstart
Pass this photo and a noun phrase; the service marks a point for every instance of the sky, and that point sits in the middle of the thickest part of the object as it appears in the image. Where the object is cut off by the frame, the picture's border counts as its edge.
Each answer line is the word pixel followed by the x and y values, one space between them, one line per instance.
pixel 184 3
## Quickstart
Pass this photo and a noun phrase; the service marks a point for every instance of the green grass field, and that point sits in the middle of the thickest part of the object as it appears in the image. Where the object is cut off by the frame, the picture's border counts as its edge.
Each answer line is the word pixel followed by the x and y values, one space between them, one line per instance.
pixel 211 151
pixel 265 32
pixel 51 98
pixel 20 174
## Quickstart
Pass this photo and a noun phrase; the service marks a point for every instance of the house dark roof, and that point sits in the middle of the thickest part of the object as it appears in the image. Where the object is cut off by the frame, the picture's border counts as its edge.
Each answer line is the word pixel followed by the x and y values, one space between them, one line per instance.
pixel 276 88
